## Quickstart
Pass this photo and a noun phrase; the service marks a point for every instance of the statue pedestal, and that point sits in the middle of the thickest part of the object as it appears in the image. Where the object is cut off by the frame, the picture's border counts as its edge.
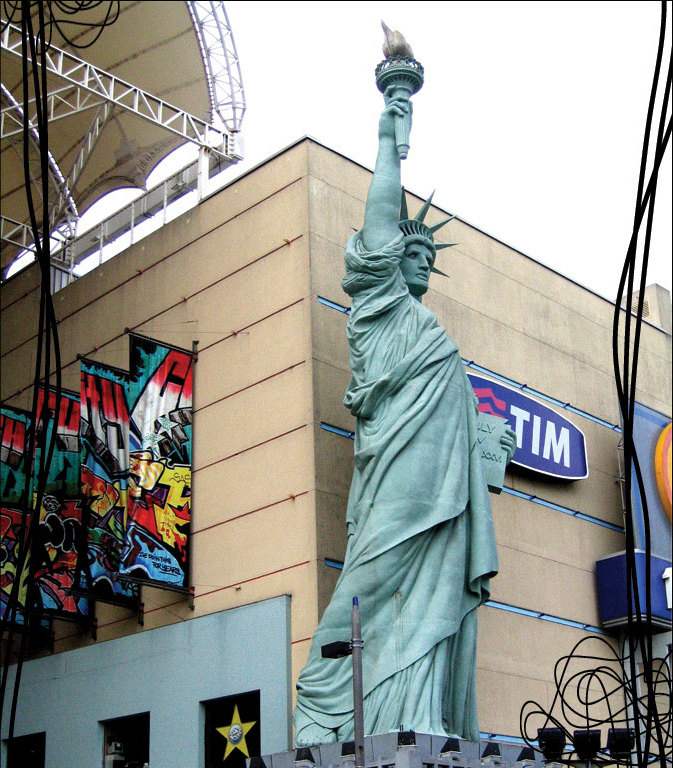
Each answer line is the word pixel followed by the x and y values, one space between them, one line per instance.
pixel 404 750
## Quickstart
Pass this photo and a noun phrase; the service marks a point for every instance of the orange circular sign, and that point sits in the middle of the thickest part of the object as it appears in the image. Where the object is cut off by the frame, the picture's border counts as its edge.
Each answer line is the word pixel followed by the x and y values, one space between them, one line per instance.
pixel 662 468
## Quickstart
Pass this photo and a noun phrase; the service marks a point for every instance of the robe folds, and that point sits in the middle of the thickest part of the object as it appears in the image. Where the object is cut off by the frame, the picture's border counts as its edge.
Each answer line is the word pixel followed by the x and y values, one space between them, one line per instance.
pixel 421 544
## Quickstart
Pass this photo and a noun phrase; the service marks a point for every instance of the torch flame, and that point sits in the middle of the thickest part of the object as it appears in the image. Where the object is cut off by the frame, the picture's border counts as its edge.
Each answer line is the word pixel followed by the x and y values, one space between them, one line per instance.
pixel 394 43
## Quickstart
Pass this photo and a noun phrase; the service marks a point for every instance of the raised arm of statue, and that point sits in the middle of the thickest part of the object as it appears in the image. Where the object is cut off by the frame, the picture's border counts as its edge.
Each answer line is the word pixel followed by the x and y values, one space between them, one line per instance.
pixel 421 541
pixel 382 211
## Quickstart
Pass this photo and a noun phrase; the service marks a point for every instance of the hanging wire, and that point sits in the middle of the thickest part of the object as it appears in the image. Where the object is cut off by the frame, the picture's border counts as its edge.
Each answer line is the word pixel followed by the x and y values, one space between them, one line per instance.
pixel 32 555
pixel 61 16
pixel 617 676
pixel 590 693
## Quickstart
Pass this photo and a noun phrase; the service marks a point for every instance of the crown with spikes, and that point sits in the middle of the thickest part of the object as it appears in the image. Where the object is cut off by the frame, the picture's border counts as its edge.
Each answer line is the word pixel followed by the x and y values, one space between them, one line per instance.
pixel 414 230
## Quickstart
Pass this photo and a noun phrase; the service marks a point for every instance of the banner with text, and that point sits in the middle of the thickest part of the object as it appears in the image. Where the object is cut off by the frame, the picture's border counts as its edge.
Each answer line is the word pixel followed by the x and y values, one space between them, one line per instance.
pixel 104 474
pixel 156 542
pixel 14 497
pixel 60 530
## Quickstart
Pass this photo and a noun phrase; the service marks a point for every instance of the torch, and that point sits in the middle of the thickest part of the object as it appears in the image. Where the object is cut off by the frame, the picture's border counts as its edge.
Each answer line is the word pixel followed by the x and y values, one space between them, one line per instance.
pixel 401 70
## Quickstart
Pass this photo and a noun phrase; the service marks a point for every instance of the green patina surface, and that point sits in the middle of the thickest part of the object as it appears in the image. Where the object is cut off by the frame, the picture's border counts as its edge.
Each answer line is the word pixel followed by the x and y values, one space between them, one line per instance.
pixel 421 544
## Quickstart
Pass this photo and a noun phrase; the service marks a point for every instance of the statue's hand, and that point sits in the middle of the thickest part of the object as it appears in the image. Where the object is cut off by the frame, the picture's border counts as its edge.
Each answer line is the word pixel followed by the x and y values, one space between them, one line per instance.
pixel 396 105
pixel 508 442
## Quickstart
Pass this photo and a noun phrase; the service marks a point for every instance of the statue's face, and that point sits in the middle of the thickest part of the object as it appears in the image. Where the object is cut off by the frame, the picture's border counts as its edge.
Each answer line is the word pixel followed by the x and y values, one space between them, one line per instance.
pixel 415 267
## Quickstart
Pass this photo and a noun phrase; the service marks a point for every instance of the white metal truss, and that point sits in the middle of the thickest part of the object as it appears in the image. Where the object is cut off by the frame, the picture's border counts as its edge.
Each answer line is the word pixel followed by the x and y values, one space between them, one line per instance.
pixel 16 233
pixel 67 209
pixel 221 62
pixel 61 103
pixel 21 235
pixel 89 79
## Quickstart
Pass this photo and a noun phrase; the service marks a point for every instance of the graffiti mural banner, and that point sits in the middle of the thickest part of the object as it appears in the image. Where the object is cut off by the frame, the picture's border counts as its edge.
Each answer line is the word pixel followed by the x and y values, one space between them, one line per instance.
pixel 103 474
pixel 14 496
pixel 156 543
pixel 60 530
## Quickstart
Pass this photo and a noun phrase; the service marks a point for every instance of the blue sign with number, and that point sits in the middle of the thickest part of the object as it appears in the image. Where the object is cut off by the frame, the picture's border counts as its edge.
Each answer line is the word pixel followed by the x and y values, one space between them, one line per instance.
pixel 546 442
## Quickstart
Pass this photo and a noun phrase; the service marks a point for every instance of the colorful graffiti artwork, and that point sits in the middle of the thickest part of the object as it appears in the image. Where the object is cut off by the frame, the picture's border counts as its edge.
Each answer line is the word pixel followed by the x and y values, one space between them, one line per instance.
pixel 160 435
pixel 104 471
pixel 11 526
pixel 54 562
pixel 14 425
pixel 114 493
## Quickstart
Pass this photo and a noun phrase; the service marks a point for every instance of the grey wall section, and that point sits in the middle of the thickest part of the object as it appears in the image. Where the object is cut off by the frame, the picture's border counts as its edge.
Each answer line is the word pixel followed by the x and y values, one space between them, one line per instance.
pixel 166 672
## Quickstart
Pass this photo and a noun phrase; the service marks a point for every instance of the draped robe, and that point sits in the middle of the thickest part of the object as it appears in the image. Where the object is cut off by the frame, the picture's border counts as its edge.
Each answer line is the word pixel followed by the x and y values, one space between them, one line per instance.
pixel 421 545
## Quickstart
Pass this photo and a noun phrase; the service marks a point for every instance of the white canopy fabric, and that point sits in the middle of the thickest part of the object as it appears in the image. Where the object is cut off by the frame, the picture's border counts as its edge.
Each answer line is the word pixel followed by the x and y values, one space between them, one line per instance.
pixel 145 86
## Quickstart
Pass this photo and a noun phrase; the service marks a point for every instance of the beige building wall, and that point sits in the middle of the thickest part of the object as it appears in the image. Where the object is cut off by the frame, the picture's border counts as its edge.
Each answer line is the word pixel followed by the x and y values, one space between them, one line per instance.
pixel 232 274
pixel 523 321
pixel 241 274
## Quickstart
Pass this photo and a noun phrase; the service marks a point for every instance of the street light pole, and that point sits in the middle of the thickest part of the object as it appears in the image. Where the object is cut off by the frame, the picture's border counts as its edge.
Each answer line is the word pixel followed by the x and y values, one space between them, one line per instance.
pixel 358 698
pixel 338 649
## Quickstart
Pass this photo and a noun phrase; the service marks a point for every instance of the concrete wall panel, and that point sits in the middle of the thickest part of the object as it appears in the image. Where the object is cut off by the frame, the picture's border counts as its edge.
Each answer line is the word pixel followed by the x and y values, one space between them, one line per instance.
pixel 327 579
pixel 532 582
pixel 270 408
pixel 598 496
pixel 229 364
pixel 500 698
pixel 331 525
pixel 328 166
pixel 195 659
pixel 545 532
pixel 333 462
pixel 335 214
pixel 246 548
pixel 236 486
pixel 520 646
pixel 330 386
pixel 328 269
pixel 329 336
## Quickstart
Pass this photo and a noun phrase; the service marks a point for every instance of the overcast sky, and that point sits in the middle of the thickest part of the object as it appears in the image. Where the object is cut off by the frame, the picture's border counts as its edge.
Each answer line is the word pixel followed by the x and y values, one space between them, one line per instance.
pixel 529 125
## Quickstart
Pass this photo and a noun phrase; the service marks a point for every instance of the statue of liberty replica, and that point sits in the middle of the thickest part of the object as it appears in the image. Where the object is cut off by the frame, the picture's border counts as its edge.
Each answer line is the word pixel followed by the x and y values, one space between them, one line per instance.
pixel 421 543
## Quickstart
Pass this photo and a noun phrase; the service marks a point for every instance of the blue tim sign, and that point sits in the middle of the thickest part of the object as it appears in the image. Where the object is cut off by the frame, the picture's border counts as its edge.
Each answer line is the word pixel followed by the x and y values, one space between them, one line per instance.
pixel 546 441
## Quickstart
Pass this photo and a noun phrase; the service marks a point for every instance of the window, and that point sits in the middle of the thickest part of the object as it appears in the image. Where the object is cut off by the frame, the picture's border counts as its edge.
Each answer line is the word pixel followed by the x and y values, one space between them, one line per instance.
pixel 127 742
pixel 232 729
pixel 26 751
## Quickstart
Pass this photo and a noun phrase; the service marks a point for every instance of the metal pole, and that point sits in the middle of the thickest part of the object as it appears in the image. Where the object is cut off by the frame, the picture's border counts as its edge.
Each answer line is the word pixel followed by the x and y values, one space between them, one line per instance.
pixel 358 708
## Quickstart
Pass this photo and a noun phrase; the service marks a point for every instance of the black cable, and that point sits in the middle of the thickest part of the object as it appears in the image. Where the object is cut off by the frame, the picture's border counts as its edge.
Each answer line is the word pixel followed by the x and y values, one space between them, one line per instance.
pixel 626 379
pixel 647 655
pixel 59 14
pixel 32 555
pixel 576 707
pixel 603 667
pixel 31 548
pixel 24 538
pixel 100 25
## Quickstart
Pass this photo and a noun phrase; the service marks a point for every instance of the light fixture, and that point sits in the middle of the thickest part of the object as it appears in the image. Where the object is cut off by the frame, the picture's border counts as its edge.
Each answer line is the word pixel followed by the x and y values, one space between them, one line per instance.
pixel 348 749
pixel 492 750
pixel 304 758
pixel 336 650
pixel 526 758
pixel 621 742
pixel 406 739
pixel 450 745
pixel 587 743
pixel 552 742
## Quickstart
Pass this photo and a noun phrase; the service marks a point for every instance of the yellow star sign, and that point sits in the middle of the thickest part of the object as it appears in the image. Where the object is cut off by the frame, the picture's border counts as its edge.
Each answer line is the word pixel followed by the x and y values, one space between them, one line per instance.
pixel 235 734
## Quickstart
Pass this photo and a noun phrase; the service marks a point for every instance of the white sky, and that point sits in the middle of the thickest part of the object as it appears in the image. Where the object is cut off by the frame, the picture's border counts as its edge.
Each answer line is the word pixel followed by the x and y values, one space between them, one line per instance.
pixel 529 125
